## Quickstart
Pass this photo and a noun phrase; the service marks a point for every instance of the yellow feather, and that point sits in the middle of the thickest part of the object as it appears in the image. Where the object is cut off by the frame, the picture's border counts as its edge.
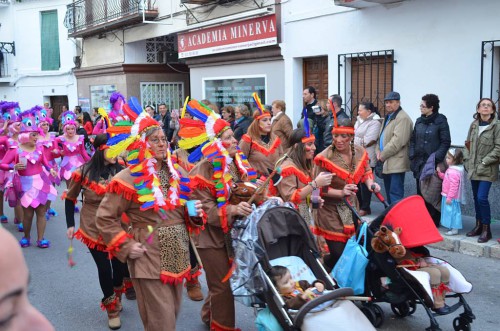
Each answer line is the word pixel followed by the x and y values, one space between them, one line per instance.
pixel 188 143
pixel 102 112
pixel 184 107
pixel 117 149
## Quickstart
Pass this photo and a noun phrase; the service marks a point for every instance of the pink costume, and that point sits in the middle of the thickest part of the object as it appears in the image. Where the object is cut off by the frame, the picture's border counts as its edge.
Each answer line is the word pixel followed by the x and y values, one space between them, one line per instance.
pixel 9 113
pixel 74 153
pixel 74 156
pixel 48 145
pixel 116 113
pixel 35 187
pixel 452 183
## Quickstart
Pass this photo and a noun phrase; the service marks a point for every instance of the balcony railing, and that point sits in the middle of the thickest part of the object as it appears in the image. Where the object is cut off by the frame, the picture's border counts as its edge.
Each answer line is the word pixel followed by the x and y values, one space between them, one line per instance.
pixel 86 18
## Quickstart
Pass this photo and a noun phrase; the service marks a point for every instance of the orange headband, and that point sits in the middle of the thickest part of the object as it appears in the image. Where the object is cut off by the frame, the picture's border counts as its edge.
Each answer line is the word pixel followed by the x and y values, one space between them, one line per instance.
pixel 103 147
pixel 264 114
pixel 309 139
pixel 343 130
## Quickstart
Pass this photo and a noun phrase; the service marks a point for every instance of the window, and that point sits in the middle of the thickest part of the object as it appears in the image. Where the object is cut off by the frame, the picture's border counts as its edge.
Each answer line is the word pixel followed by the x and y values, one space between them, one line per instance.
pixel 490 70
pixel 366 76
pixel 224 91
pixel 50 40
pixel 161 49
pixel 169 93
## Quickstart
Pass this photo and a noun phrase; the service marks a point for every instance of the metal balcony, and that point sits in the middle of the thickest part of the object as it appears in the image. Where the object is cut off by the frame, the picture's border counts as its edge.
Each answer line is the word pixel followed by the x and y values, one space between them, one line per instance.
pixel 86 18
pixel 359 4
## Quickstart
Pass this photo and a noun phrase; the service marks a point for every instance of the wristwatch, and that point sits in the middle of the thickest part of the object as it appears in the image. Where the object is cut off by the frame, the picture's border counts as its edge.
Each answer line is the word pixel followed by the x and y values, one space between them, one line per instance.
pixel 482 162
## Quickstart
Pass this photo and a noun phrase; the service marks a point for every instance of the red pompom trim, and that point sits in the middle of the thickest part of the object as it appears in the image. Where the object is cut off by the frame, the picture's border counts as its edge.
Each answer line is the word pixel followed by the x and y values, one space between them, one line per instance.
pixel 115 244
pixel 254 144
pixel 293 171
pixel 122 188
pixel 97 244
pixel 335 236
pixel 214 326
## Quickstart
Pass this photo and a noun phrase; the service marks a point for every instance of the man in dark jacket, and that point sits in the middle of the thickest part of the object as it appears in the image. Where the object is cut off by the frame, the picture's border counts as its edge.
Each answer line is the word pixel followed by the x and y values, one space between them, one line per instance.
pixel 309 96
pixel 431 134
pixel 165 120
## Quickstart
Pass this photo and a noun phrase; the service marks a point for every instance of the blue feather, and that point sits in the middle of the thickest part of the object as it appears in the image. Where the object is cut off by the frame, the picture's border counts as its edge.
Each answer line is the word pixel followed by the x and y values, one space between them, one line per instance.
pixel 306 123
pixel 148 204
pixel 195 155
pixel 196 113
pixel 118 138
pixel 135 105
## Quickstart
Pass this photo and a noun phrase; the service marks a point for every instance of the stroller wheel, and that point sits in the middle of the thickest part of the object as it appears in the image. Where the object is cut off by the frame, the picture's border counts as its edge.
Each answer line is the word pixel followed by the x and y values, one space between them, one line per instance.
pixel 370 314
pixel 461 324
pixel 413 307
pixel 379 315
pixel 401 309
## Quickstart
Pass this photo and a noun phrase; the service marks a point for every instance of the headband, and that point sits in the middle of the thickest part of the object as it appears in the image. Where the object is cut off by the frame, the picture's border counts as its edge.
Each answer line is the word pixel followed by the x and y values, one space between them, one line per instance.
pixel 336 128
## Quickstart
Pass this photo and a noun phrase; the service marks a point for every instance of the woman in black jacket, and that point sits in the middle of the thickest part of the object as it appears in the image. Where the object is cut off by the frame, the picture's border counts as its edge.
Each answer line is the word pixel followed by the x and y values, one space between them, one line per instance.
pixel 431 134
pixel 242 121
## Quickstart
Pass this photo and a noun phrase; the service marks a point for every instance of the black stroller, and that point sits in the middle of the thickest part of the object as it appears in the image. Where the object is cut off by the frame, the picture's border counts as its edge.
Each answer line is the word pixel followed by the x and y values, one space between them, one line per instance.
pixel 408 288
pixel 277 231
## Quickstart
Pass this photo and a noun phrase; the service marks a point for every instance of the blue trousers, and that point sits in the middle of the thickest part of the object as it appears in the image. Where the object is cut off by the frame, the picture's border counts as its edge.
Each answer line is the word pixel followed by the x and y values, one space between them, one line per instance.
pixel 394 187
pixel 480 191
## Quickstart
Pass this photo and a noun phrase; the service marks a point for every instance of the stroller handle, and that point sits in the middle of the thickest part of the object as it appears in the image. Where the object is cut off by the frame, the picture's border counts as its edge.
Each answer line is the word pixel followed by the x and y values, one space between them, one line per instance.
pixel 338 293
pixel 380 196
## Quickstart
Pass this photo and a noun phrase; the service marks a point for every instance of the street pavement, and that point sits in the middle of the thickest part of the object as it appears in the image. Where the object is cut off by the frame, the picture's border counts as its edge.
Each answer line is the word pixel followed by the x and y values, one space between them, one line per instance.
pixel 70 297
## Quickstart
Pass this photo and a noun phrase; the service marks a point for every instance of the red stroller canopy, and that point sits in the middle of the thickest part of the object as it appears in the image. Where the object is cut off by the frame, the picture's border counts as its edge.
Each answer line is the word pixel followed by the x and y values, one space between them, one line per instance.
pixel 411 215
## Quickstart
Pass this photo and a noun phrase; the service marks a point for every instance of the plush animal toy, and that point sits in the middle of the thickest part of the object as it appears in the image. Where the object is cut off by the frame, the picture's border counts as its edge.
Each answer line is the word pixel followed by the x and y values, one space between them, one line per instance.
pixel 387 240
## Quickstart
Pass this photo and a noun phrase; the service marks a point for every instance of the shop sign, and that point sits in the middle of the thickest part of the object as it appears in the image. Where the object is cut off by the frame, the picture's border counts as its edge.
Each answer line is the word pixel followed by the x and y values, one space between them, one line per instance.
pixel 232 91
pixel 251 33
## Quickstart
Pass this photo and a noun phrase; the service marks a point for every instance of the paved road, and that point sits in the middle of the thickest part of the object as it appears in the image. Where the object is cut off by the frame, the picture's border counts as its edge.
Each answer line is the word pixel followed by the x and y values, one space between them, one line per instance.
pixel 70 297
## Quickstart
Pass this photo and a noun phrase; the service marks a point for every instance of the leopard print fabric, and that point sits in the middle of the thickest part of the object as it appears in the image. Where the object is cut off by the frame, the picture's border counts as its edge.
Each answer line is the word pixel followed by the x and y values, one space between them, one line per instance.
pixel 174 249
pixel 164 177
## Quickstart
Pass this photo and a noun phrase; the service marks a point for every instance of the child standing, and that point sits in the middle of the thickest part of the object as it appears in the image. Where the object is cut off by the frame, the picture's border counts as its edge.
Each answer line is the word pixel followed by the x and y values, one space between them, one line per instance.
pixel 451 215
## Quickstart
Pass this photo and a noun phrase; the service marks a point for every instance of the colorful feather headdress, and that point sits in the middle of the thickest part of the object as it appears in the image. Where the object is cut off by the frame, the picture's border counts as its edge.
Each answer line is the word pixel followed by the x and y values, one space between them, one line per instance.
pixel 336 129
pixel 263 112
pixel 203 132
pixel 131 136
pixel 308 136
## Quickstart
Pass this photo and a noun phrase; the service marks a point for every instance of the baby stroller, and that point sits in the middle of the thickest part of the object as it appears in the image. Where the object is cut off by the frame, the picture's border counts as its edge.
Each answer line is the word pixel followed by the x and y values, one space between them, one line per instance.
pixel 407 287
pixel 276 234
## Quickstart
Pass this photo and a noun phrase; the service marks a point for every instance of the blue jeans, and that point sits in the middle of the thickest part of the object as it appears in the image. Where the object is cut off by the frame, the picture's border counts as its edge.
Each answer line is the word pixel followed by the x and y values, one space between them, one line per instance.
pixel 480 191
pixel 394 187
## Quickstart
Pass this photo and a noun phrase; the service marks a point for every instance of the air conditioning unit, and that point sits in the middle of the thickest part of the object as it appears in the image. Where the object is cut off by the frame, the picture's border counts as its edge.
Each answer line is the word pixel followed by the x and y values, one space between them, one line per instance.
pixel 168 57
pixel 364 3
pixel 77 60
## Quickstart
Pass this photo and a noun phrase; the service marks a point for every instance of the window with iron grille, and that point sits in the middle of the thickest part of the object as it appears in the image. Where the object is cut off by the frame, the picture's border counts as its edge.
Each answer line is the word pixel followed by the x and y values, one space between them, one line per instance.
pixel 156 93
pixel 490 70
pixel 161 49
pixel 365 76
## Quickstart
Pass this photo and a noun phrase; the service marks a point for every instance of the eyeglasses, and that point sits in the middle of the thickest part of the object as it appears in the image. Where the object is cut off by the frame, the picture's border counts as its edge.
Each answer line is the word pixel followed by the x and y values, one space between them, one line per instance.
pixel 423 106
pixel 489 105
pixel 156 141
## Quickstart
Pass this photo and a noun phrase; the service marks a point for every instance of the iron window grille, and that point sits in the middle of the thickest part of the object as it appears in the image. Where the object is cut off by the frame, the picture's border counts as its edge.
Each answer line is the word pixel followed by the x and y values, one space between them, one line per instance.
pixel 490 70
pixel 156 93
pixel 365 76
pixel 161 49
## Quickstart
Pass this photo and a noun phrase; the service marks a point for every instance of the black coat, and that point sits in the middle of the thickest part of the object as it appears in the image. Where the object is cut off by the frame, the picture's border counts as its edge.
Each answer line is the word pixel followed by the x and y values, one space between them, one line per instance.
pixel 430 134
pixel 240 128
pixel 310 112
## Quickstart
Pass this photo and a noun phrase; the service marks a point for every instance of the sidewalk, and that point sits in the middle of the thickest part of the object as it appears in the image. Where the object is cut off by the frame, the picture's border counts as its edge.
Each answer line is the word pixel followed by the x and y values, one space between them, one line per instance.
pixel 459 243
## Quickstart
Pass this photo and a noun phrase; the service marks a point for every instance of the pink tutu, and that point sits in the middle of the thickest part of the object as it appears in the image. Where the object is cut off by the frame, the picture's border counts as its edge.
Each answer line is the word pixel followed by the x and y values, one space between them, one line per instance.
pixel 36 190
pixel 54 180
pixel 69 164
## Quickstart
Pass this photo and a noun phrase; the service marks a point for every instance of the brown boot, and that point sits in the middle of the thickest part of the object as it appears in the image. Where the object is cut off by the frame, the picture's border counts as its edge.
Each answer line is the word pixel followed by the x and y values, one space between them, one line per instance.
pixel 485 234
pixel 476 231
pixel 110 305
pixel 118 292
pixel 193 288
pixel 129 289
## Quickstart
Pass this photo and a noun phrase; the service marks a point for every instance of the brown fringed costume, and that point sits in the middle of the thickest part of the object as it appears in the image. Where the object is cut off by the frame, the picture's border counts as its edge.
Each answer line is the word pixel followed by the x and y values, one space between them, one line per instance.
pixel 261 156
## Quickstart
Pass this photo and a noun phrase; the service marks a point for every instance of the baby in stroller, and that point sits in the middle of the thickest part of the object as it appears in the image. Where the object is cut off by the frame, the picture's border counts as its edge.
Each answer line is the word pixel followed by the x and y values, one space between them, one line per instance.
pixel 295 293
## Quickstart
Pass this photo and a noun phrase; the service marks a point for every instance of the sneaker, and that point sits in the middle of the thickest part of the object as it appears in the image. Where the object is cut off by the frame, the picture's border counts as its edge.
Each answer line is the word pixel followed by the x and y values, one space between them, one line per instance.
pixel 47 216
pixel 4 219
pixel 20 227
pixel 52 212
pixel 452 232
pixel 77 210
pixel 24 242
pixel 44 243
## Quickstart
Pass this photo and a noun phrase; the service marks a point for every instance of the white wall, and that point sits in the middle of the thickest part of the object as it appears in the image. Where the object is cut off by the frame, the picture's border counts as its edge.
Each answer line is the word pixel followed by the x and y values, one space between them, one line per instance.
pixel 29 84
pixel 273 70
pixel 436 44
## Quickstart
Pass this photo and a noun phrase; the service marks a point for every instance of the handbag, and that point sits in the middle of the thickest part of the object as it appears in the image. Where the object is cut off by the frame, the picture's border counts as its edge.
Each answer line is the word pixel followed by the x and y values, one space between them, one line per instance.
pixel 350 269
pixel 379 168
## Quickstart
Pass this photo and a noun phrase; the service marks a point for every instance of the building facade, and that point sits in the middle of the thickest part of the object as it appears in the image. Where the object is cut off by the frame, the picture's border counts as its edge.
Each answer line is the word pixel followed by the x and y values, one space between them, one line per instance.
pixel 36 60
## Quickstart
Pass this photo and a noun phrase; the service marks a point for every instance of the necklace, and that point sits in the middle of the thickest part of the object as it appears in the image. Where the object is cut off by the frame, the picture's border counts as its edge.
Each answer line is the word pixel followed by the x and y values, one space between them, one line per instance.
pixel 342 162
pixel 234 172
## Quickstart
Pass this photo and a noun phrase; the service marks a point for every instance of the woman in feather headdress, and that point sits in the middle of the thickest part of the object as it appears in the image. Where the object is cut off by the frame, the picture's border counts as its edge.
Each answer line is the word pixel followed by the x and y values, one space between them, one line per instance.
pixel 152 193
pixel 35 187
pixel 212 179
pixel 261 147
pixel 350 164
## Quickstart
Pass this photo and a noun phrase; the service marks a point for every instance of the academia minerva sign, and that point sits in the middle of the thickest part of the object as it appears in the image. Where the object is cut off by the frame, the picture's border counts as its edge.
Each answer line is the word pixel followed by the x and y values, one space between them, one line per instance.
pixel 251 33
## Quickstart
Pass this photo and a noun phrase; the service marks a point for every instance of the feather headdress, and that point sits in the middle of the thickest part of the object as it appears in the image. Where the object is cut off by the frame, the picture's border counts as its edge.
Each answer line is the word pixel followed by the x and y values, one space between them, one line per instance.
pixel 131 136
pixel 336 129
pixel 262 111
pixel 308 136
pixel 203 132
